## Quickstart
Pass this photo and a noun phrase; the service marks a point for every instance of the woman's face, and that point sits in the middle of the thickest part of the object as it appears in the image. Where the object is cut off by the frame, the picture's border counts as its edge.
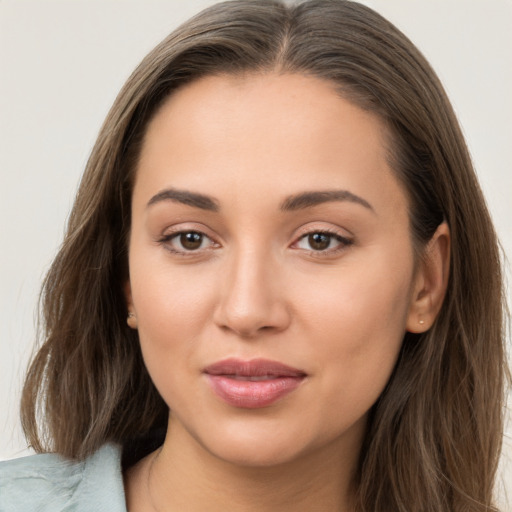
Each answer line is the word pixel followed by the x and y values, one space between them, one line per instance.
pixel 271 266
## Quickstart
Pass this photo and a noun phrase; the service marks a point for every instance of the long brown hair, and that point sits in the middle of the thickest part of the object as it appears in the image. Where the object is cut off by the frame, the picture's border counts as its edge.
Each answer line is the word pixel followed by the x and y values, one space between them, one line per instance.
pixel 434 436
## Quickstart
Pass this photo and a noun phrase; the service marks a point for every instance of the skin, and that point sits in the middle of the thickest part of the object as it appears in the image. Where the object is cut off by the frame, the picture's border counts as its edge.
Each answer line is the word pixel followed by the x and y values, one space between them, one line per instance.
pixel 256 288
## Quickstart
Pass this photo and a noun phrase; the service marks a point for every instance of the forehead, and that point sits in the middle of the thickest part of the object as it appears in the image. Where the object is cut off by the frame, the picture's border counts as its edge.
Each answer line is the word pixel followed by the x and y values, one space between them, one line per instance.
pixel 234 133
pixel 286 102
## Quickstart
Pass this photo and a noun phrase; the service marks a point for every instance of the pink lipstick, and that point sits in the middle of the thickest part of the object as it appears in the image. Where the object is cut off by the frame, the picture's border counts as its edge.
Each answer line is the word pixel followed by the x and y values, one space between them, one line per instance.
pixel 252 384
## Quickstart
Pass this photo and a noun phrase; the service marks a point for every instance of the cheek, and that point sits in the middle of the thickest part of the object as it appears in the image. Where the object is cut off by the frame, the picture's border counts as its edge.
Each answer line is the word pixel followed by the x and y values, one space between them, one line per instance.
pixel 359 321
pixel 173 305
pixel 170 313
pixel 358 299
pixel 167 297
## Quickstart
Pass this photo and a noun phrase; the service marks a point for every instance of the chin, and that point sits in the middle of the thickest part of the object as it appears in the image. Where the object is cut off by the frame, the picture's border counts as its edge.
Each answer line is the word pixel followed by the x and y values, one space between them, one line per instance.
pixel 257 455
pixel 255 442
pixel 266 444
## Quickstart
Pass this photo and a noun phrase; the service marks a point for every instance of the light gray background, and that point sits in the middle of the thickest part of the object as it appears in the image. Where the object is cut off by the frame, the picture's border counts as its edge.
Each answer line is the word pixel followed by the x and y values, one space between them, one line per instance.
pixel 61 66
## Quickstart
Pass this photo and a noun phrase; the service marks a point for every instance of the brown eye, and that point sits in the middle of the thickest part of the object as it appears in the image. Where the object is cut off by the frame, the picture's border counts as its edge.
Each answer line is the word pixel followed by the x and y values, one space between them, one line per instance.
pixel 191 243
pixel 319 241
pixel 323 243
pixel 191 240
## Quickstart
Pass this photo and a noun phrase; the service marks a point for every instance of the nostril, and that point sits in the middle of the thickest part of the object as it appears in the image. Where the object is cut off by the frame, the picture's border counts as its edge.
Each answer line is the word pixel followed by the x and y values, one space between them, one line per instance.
pixel 251 325
pixel 251 302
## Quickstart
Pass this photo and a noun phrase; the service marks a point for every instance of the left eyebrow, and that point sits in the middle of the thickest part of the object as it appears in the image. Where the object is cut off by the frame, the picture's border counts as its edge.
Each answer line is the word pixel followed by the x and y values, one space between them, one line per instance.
pixel 185 197
pixel 309 199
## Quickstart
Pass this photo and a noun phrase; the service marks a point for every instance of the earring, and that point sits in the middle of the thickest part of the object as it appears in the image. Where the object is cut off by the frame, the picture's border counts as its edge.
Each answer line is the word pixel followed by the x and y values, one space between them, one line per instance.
pixel 131 320
pixel 421 322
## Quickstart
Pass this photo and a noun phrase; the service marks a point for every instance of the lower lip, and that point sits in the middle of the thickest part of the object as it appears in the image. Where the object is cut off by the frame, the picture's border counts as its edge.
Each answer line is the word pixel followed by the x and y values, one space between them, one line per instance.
pixel 252 394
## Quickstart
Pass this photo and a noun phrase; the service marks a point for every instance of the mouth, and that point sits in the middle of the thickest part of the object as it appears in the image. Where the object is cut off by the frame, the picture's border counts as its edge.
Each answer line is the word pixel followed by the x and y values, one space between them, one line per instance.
pixel 252 384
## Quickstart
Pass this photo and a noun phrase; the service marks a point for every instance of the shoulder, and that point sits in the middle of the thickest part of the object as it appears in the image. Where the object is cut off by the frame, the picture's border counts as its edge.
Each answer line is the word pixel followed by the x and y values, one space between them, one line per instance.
pixel 48 482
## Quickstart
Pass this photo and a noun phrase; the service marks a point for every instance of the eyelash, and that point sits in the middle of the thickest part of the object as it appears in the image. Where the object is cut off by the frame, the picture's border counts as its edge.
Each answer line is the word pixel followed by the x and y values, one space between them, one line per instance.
pixel 342 241
pixel 168 239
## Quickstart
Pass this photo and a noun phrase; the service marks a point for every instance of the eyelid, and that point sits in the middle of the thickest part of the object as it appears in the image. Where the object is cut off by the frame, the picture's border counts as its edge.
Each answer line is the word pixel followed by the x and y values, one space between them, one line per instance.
pixel 317 227
pixel 344 239
pixel 172 232
pixel 336 232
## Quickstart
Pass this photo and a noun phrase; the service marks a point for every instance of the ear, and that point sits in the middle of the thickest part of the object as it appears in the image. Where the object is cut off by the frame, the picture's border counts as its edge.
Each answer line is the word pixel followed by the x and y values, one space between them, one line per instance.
pixel 131 318
pixel 431 281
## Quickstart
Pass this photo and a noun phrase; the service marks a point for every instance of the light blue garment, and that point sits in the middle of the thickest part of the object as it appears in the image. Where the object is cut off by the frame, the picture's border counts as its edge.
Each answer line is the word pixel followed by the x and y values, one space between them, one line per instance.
pixel 49 483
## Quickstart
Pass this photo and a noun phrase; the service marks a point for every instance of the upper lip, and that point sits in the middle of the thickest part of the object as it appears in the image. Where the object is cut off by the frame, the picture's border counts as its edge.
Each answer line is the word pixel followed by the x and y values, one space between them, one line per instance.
pixel 253 368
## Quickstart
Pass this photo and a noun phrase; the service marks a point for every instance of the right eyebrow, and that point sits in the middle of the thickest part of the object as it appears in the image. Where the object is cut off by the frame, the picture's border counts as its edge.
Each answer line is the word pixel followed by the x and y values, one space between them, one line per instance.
pixel 314 198
pixel 185 197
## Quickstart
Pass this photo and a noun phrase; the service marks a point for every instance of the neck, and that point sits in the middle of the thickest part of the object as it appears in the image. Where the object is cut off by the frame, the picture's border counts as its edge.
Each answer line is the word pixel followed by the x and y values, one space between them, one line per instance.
pixel 183 475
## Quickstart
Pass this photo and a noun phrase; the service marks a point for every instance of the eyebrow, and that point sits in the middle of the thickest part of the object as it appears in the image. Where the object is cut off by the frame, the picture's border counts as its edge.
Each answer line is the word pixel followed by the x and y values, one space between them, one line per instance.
pixel 292 203
pixel 310 199
pixel 185 197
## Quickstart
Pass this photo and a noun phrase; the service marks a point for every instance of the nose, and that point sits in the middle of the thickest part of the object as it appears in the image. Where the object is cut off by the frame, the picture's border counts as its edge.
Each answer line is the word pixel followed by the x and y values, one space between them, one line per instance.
pixel 252 298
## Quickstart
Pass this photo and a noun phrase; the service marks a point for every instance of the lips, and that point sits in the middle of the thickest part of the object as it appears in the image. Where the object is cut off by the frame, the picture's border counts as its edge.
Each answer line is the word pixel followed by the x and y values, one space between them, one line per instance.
pixel 252 384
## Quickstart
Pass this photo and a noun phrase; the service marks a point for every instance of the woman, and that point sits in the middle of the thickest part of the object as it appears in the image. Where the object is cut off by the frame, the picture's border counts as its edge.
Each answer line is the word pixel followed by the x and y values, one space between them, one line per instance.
pixel 280 287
